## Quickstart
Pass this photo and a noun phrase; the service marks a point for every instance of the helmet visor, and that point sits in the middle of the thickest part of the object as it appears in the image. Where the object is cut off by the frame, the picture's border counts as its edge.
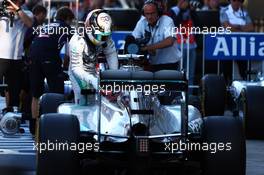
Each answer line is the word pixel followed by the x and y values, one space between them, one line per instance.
pixel 101 36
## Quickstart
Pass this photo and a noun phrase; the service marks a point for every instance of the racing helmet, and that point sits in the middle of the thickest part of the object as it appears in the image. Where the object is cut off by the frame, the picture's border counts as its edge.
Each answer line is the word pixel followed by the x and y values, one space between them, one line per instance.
pixel 99 23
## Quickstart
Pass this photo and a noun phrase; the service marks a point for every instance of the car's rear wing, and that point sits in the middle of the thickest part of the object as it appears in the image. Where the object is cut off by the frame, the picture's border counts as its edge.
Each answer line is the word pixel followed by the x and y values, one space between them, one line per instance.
pixel 167 79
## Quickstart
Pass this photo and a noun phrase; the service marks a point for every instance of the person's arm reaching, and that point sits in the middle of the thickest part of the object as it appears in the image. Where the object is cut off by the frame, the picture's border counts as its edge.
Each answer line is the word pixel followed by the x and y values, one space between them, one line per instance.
pixel 167 35
pixel 22 15
pixel 160 45
pixel 111 54
pixel 76 48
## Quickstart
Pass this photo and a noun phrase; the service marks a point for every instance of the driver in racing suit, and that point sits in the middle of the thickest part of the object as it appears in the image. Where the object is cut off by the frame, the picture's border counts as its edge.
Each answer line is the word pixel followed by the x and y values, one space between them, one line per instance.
pixel 84 50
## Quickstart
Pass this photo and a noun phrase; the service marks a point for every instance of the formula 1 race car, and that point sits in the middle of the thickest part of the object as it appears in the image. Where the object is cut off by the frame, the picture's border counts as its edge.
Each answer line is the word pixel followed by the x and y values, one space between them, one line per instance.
pixel 246 101
pixel 136 133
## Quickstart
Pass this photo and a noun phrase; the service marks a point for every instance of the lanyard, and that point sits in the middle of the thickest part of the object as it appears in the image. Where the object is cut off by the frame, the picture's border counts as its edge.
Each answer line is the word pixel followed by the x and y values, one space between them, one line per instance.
pixel 239 15
pixel 153 33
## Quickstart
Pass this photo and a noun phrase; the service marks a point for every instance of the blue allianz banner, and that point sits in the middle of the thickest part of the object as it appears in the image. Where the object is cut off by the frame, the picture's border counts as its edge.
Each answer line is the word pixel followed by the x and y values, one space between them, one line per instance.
pixel 119 38
pixel 234 46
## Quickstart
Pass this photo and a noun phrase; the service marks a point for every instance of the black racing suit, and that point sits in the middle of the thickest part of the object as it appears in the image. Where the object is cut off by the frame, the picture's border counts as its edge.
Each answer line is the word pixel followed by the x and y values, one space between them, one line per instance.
pixel 46 61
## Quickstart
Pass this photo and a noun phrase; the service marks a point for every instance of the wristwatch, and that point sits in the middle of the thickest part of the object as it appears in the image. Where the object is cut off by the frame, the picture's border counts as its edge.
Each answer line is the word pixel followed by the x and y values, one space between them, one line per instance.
pixel 18 9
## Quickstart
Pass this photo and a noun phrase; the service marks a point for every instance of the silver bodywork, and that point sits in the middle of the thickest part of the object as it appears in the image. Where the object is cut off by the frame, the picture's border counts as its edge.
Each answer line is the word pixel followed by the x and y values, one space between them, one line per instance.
pixel 238 86
pixel 115 119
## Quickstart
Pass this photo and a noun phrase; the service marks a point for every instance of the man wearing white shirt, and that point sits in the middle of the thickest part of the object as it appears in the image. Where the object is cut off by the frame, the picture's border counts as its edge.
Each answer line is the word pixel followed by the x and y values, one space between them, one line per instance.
pixel 161 46
pixel 236 17
pixel 11 48
pixel 238 20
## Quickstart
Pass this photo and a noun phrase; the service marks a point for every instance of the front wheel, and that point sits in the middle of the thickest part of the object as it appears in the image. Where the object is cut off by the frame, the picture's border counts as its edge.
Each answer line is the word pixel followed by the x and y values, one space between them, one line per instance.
pixel 213 95
pixel 57 132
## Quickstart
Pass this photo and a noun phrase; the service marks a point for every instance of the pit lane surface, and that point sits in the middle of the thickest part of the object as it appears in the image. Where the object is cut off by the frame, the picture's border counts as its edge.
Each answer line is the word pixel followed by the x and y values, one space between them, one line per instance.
pixel 17 156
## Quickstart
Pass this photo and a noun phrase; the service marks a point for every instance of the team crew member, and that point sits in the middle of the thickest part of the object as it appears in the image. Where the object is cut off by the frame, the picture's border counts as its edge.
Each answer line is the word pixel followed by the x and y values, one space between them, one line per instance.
pixel 45 55
pixel 237 18
pixel 181 15
pixel 162 48
pixel 11 48
pixel 84 49
pixel 39 13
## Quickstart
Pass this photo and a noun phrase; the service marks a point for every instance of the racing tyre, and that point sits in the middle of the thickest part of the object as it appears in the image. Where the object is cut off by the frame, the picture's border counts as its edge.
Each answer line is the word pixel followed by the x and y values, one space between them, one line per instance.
pixel 49 102
pixel 251 102
pixel 213 95
pixel 52 159
pixel 226 145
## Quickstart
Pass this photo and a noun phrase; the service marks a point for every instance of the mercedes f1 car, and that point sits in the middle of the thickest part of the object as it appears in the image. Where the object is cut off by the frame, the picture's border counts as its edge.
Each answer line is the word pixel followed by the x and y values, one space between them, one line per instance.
pixel 135 132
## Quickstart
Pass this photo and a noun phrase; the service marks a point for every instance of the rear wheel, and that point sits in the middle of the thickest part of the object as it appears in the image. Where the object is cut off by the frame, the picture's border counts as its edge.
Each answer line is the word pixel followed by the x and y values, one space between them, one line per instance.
pixel 227 148
pixel 213 95
pixel 251 103
pixel 56 130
